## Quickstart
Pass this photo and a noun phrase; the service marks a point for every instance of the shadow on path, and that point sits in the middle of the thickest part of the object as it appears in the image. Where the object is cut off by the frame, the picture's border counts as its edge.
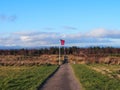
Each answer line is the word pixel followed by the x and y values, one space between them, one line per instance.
pixel 63 79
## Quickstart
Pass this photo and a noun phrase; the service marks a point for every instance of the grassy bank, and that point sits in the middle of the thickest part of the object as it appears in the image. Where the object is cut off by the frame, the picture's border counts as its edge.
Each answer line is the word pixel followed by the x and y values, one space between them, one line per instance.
pixel 92 80
pixel 23 77
pixel 112 71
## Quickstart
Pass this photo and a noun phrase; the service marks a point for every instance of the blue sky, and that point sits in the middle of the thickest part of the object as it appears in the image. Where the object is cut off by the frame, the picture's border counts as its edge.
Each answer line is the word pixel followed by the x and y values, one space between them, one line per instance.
pixel 44 22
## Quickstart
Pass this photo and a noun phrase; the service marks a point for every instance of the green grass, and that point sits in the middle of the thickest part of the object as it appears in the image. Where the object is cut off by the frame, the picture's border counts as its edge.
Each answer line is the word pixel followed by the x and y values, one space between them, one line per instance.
pixel 23 77
pixel 110 70
pixel 92 80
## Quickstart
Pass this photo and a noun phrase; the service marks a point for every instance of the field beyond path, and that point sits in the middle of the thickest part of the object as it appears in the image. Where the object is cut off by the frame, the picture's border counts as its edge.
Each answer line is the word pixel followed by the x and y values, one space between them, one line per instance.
pixel 63 79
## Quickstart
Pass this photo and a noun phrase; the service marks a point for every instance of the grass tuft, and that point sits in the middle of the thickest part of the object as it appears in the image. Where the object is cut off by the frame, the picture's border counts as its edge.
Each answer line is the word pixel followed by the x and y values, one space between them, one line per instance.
pixel 24 77
pixel 92 80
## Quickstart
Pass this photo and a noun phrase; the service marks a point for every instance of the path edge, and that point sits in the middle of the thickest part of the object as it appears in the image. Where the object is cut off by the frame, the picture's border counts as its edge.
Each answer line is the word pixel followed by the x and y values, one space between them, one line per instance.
pixel 42 84
pixel 76 78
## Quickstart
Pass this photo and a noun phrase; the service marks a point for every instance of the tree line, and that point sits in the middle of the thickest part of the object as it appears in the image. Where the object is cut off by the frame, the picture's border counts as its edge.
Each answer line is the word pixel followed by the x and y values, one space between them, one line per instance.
pixel 67 50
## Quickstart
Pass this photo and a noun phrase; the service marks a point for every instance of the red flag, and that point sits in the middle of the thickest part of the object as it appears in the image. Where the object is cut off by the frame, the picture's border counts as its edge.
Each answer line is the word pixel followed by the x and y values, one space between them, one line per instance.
pixel 62 42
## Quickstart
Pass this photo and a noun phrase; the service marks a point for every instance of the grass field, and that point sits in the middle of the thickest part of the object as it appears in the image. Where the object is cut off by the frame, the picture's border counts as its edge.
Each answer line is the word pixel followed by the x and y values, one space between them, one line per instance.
pixel 113 71
pixel 23 77
pixel 94 80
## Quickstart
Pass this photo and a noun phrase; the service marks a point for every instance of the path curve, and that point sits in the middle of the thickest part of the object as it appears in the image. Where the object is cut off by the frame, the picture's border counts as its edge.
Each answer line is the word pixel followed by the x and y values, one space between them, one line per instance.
pixel 63 79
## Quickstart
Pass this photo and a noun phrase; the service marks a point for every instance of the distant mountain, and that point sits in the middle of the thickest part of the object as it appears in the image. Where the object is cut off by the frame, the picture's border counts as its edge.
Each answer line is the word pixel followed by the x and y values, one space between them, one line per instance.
pixel 10 47
pixel 21 47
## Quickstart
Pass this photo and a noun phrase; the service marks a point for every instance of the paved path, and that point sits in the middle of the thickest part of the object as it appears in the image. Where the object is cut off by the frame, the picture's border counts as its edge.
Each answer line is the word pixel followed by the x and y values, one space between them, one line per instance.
pixel 63 79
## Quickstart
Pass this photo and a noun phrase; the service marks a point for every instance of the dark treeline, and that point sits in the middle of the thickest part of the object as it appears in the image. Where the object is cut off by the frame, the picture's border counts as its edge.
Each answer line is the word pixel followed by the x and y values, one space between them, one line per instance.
pixel 68 50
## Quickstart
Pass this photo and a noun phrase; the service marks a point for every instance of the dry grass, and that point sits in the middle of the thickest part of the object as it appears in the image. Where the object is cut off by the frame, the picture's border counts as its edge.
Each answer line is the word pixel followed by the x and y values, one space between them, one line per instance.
pixel 94 80
pixel 18 60
pixel 112 71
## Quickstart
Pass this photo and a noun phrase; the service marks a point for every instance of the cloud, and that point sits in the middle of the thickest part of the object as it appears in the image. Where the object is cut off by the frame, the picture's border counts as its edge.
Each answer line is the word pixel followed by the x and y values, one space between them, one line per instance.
pixel 48 28
pixel 12 18
pixel 25 38
pixel 94 37
pixel 69 28
pixel 6 18
pixel 97 33
pixel 102 33
pixel 3 17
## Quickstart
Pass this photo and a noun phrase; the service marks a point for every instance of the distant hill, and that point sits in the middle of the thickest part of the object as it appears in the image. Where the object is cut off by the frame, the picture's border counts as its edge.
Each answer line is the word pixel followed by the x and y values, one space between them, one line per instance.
pixel 21 47
pixel 10 47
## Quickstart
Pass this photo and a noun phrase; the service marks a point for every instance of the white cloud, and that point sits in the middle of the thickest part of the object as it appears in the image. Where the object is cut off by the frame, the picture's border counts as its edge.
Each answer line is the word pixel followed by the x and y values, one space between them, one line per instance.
pixel 97 33
pixel 95 37
pixel 102 33
pixel 25 38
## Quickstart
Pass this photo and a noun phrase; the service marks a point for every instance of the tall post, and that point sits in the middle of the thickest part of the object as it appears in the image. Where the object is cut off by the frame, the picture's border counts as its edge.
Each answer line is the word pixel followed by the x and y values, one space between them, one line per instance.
pixel 62 43
pixel 63 55
pixel 64 51
pixel 59 55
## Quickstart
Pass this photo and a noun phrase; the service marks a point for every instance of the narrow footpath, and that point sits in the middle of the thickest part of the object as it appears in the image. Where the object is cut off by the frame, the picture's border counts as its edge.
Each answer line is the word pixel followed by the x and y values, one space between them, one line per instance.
pixel 63 79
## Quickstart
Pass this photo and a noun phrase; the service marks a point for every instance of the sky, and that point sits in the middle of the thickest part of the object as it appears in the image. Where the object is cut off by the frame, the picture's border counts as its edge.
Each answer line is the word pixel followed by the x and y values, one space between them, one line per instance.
pixel 32 23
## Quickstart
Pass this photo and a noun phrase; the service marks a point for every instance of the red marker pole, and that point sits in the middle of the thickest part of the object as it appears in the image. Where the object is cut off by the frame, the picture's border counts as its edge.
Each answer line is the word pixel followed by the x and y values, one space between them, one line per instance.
pixel 62 43
pixel 59 54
